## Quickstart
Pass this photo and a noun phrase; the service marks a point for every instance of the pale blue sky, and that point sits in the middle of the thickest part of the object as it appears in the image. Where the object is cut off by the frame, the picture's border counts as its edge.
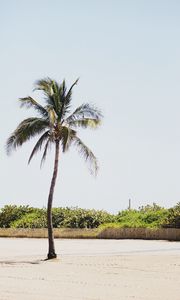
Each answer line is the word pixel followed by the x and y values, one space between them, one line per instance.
pixel 127 55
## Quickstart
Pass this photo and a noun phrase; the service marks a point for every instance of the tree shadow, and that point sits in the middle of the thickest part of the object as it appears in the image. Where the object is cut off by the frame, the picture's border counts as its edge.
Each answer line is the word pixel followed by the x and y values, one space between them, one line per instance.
pixel 19 262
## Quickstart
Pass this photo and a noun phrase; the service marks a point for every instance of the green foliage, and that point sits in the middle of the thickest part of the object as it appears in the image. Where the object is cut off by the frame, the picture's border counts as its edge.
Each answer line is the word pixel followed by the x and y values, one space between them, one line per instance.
pixel 28 217
pixel 36 219
pixel 173 217
pixel 130 218
pixel 55 123
pixel 145 217
pixel 85 218
pixel 153 216
pixel 11 213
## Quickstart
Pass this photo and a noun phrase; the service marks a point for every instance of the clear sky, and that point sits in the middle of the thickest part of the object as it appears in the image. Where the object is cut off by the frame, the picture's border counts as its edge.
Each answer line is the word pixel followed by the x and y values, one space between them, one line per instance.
pixel 127 55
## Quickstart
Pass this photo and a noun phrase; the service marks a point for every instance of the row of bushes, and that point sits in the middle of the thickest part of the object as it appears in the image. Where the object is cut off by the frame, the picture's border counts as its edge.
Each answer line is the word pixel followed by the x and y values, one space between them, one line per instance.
pixel 28 217
pixel 12 216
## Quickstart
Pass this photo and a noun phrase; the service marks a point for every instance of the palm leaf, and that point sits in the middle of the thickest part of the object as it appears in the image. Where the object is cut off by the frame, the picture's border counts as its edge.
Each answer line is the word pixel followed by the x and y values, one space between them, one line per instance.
pixel 85 123
pixel 30 102
pixel 67 136
pixel 56 97
pixel 45 151
pixel 52 115
pixel 66 99
pixel 46 86
pixel 26 130
pixel 86 110
pixel 87 154
pixel 69 93
pixel 52 91
pixel 39 144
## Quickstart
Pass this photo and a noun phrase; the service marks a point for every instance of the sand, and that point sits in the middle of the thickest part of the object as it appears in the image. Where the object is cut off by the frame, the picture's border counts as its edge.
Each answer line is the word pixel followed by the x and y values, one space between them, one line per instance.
pixel 90 270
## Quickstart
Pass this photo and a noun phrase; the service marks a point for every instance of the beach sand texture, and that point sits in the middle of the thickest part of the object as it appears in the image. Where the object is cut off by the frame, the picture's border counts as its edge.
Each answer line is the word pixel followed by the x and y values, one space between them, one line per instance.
pixel 89 270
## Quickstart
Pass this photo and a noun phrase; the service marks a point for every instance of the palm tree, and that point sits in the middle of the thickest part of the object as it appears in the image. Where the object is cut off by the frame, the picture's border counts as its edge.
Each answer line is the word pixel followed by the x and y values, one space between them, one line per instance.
pixel 57 126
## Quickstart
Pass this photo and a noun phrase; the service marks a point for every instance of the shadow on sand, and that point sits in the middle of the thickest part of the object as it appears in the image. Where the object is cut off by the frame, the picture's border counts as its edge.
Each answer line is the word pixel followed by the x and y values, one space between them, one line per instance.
pixel 19 262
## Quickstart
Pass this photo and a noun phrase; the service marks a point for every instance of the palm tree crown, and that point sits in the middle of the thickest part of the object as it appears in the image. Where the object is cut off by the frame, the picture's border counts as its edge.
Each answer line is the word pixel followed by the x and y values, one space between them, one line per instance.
pixel 55 122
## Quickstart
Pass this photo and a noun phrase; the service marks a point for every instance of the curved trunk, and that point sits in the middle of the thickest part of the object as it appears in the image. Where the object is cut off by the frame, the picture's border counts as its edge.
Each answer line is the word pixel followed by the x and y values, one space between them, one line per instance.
pixel 51 252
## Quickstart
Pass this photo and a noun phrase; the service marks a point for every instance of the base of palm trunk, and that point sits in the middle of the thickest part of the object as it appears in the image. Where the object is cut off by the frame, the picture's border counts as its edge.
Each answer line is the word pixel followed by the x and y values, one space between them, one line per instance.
pixel 51 255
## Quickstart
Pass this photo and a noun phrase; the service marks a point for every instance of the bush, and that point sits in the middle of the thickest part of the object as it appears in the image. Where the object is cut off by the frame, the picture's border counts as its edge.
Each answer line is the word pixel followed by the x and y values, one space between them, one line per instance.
pixel 79 218
pixel 11 213
pixel 28 217
pixel 130 218
pixel 154 215
pixel 32 220
pixel 146 216
pixel 173 218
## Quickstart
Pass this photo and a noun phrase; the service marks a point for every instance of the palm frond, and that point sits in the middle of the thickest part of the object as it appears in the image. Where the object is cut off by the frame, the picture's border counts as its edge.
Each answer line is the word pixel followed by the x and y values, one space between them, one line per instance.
pixel 29 102
pixel 67 136
pixel 52 115
pixel 62 90
pixel 27 129
pixel 52 91
pixel 66 99
pixel 85 123
pixel 39 144
pixel 44 85
pixel 55 98
pixel 87 154
pixel 45 151
pixel 69 93
pixel 86 110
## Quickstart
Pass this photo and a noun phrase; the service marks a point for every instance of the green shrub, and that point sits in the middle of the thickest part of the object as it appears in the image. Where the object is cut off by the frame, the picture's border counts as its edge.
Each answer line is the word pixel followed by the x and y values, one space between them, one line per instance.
pixel 11 213
pixel 28 217
pixel 154 216
pixel 79 218
pixel 32 220
pixel 145 217
pixel 150 216
pixel 58 216
pixel 173 217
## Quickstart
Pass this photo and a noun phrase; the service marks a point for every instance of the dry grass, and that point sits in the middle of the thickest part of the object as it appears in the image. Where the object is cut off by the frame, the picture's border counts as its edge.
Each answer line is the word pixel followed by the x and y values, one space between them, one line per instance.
pixel 108 233
pixel 141 233
pixel 43 233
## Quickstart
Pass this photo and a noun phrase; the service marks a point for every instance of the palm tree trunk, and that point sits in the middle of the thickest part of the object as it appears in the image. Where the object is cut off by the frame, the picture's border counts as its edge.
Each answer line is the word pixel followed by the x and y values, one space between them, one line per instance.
pixel 51 252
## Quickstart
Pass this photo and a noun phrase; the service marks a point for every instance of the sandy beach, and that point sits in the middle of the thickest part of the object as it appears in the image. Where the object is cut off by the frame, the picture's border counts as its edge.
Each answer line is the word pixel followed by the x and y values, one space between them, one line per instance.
pixel 89 270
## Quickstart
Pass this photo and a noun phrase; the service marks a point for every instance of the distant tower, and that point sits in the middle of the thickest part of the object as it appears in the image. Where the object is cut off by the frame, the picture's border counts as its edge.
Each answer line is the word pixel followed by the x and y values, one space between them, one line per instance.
pixel 129 207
